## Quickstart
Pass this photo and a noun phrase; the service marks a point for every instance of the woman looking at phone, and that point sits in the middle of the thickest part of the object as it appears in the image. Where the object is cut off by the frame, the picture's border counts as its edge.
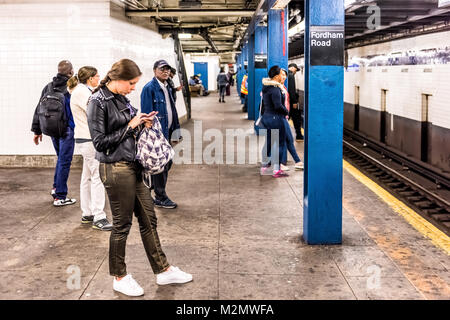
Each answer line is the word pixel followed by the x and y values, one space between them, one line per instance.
pixel 114 125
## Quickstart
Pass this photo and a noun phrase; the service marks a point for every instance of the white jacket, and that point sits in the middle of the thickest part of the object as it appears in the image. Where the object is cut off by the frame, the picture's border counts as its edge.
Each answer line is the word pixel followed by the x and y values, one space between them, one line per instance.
pixel 78 104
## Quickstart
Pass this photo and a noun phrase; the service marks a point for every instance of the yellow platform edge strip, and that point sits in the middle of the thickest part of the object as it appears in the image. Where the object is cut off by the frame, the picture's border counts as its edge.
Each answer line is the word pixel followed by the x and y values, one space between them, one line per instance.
pixel 437 237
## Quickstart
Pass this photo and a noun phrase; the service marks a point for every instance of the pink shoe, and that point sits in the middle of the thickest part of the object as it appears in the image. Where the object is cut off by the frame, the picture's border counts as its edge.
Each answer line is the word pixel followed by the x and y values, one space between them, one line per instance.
pixel 279 174
pixel 265 171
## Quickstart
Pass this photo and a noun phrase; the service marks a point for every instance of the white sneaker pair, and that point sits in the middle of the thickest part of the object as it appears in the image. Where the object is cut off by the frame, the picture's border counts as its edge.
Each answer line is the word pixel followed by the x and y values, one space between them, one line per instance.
pixel 128 286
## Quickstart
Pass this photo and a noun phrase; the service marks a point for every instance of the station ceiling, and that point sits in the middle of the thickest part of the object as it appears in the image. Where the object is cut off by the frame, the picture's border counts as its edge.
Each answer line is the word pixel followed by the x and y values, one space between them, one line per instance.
pixel 219 25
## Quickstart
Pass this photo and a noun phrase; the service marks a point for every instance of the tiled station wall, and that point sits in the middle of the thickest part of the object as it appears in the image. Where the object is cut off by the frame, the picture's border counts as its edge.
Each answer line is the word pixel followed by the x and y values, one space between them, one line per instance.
pixel 405 85
pixel 34 37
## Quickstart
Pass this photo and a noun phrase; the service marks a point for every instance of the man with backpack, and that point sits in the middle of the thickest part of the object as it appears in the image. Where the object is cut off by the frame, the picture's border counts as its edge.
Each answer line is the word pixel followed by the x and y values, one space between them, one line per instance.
pixel 53 117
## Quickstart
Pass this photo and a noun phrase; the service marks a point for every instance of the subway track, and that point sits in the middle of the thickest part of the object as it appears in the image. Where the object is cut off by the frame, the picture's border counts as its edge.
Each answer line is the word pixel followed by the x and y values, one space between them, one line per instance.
pixel 424 188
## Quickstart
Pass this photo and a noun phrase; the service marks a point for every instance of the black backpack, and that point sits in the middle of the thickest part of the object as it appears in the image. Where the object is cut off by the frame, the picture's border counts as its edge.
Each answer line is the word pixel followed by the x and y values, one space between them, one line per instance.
pixel 52 113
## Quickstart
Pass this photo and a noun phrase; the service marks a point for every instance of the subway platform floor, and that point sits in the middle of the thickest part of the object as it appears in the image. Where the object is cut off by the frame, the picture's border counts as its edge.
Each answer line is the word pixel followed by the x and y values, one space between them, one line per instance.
pixel 238 233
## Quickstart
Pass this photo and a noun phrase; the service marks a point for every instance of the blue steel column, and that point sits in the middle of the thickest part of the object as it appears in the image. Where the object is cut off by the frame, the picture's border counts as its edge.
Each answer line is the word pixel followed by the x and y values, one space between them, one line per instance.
pixel 322 213
pixel 251 77
pixel 277 38
pixel 260 73
pixel 244 63
pixel 238 73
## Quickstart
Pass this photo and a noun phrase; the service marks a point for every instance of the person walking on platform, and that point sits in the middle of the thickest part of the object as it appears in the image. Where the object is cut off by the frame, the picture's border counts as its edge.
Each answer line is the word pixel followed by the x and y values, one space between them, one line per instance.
pixel 289 138
pixel 53 117
pixel 92 192
pixel 114 125
pixel 296 112
pixel 157 96
pixel 244 92
pixel 222 81
pixel 274 114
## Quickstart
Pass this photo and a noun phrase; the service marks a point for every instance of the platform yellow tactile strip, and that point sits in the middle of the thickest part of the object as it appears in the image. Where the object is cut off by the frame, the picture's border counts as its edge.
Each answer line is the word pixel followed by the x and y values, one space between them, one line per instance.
pixel 428 283
pixel 436 236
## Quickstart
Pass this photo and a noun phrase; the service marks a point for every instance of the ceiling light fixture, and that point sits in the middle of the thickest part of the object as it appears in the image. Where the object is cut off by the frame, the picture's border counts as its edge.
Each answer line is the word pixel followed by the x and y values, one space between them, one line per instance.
pixel 184 36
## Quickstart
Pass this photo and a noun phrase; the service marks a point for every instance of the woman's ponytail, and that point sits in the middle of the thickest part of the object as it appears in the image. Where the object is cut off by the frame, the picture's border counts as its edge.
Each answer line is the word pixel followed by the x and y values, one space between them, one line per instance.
pixel 72 82
pixel 102 83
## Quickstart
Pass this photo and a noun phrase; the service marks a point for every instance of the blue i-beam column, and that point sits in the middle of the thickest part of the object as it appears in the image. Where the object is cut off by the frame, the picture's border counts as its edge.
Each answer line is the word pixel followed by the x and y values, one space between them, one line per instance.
pixel 260 66
pixel 324 80
pixel 238 73
pixel 244 66
pixel 277 38
pixel 251 78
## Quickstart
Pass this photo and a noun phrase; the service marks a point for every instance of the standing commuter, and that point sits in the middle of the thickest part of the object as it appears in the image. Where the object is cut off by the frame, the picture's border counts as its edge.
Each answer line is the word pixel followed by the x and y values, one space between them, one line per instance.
pixel 174 89
pixel 55 101
pixel 114 124
pixel 230 76
pixel 244 92
pixel 274 114
pixel 157 96
pixel 92 192
pixel 296 112
pixel 289 138
pixel 222 81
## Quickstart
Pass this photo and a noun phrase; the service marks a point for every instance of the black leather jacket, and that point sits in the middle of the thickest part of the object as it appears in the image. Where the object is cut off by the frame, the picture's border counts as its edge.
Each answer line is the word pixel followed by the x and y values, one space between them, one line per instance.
pixel 108 116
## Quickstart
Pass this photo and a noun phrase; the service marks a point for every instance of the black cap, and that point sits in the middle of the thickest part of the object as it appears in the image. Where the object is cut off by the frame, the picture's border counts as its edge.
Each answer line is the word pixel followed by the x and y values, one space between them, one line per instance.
pixel 294 65
pixel 160 64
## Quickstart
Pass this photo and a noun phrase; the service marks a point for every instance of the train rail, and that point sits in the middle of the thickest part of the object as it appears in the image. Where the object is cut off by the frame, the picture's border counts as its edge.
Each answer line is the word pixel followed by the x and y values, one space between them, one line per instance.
pixel 423 187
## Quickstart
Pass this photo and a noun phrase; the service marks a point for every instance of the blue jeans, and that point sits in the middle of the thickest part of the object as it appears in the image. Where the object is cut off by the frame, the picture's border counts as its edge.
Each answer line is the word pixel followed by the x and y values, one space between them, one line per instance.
pixel 64 150
pixel 289 145
pixel 273 143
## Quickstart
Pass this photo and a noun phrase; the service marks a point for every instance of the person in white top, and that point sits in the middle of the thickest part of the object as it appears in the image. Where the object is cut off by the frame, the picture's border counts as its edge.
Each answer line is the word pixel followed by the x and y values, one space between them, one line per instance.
pixel 92 191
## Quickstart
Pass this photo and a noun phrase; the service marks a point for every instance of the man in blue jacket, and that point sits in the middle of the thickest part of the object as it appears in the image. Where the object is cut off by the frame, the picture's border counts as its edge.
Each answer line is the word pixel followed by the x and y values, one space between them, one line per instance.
pixel 157 96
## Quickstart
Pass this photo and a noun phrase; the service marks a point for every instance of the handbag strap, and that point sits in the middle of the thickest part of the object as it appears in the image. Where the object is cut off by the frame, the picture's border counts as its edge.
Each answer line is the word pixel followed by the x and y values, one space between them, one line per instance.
pixel 260 104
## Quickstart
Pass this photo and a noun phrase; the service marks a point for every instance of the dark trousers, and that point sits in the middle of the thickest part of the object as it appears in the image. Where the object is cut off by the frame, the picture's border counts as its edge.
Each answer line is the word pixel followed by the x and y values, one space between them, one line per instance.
pixel 297 119
pixel 222 89
pixel 127 194
pixel 245 107
pixel 159 182
pixel 64 150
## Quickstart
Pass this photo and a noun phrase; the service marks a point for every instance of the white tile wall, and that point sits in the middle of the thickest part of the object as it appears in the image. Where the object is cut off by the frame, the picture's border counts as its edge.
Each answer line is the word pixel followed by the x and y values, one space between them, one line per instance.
pixel 143 47
pixel 405 89
pixel 34 37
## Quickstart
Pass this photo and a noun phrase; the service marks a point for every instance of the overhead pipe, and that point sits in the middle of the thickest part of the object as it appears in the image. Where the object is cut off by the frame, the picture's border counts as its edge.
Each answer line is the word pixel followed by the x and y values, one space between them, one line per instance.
pixel 190 13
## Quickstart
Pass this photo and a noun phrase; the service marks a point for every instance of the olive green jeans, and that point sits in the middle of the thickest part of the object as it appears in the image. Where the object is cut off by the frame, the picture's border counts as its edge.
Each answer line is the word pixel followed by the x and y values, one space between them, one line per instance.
pixel 127 194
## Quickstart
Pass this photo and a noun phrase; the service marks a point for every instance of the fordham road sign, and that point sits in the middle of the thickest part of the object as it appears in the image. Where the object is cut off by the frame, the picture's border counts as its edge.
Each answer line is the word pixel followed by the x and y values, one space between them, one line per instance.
pixel 327 45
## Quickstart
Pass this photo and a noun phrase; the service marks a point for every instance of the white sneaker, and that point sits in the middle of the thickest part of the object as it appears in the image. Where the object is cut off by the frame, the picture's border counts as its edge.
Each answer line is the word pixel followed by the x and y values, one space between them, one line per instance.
pixel 127 285
pixel 283 167
pixel 173 275
pixel 65 202
pixel 299 166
